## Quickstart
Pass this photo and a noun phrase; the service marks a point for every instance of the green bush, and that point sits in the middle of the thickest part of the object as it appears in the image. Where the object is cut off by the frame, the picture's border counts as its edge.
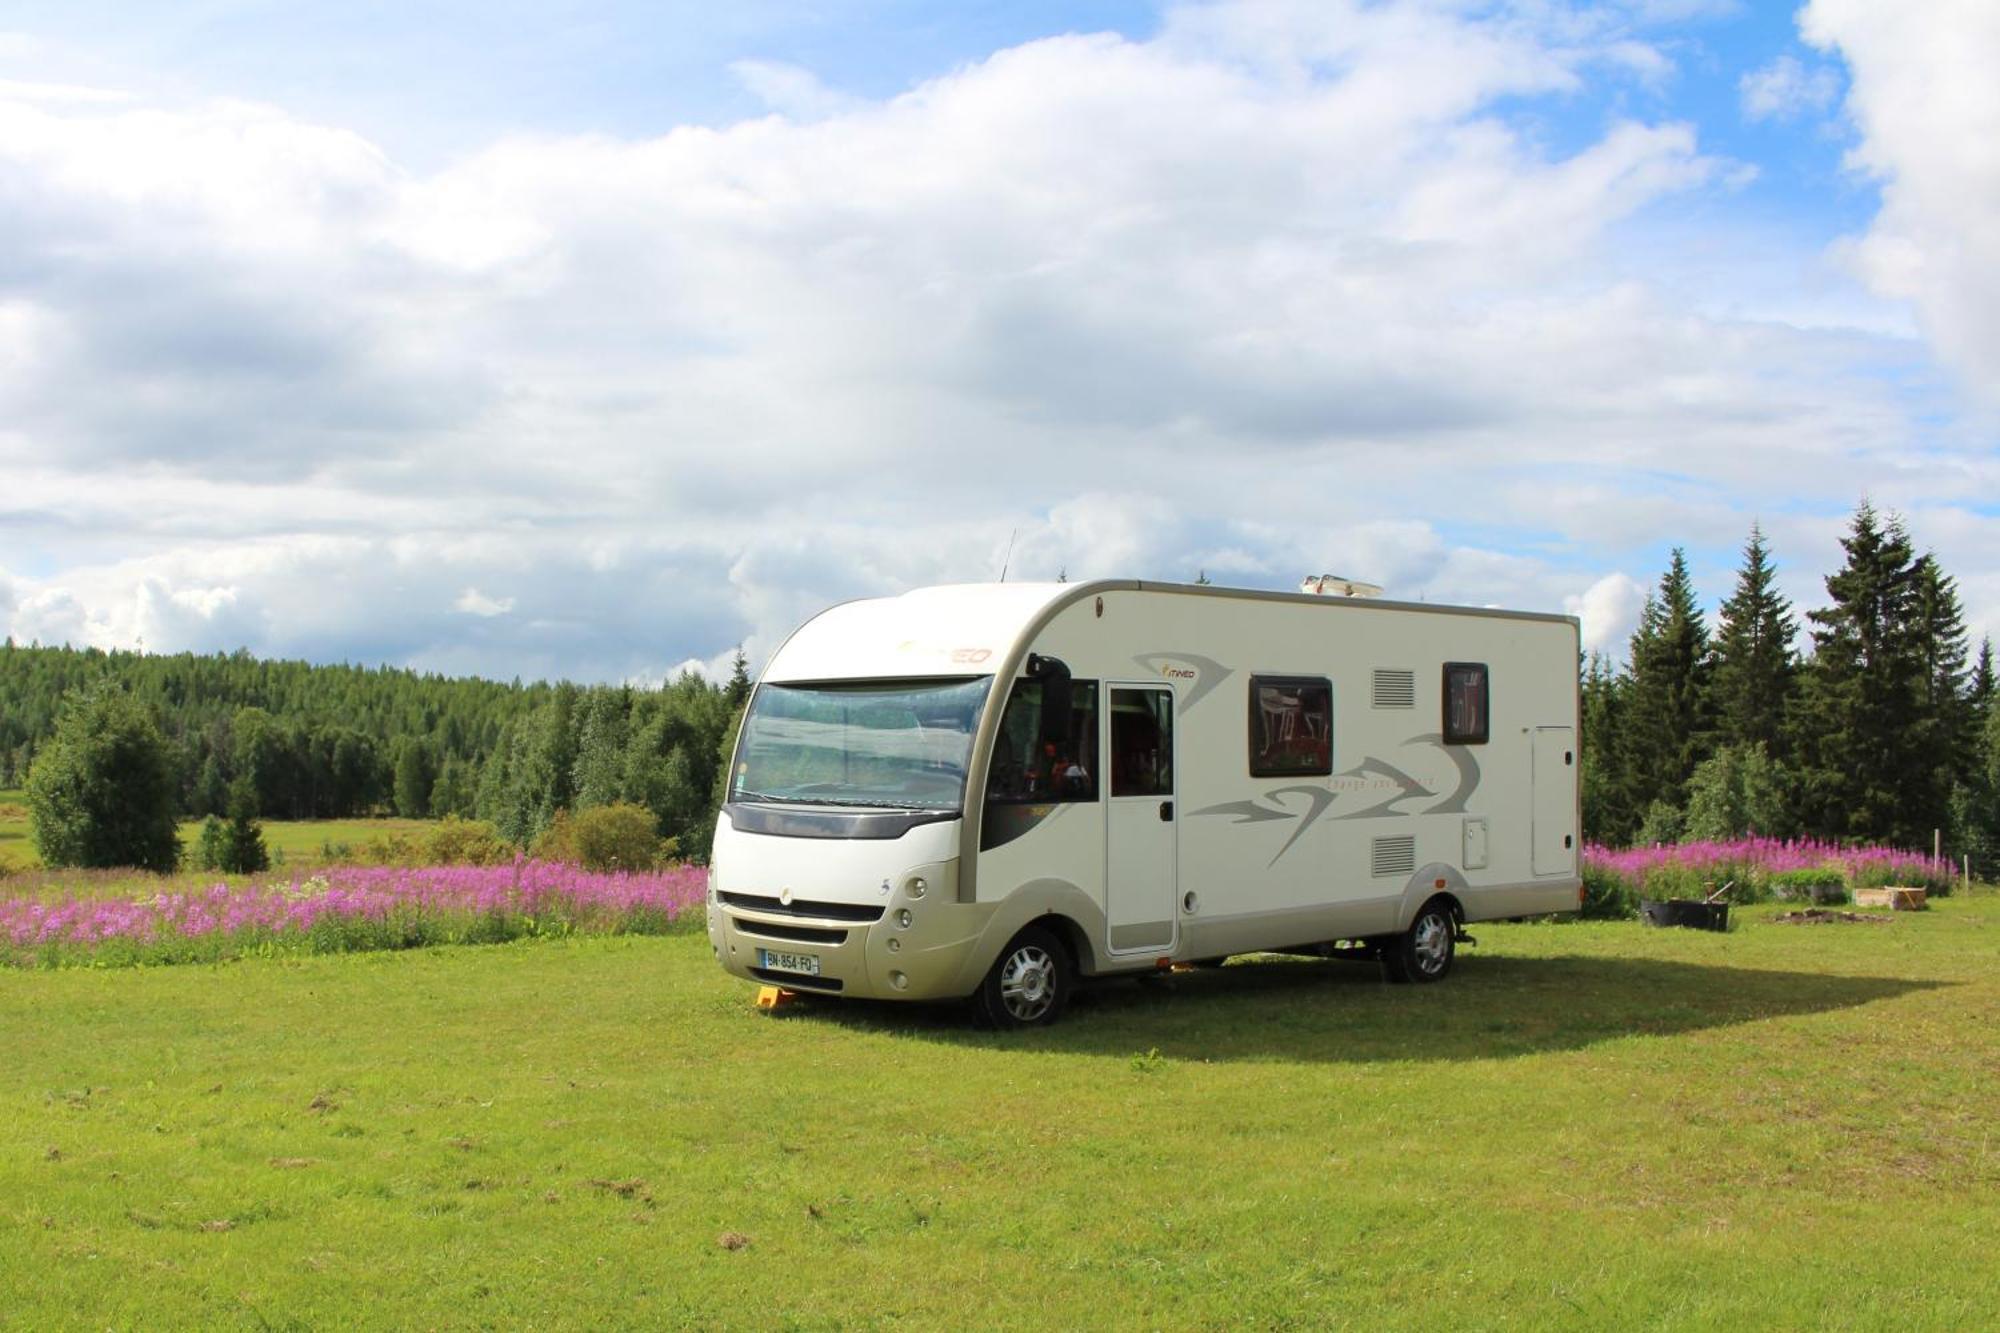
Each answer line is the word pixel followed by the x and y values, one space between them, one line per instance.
pixel 1678 879
pixel 1663 823
pixel 1607 895
pixel 102 791
pixel 1820 884
pixel 620 836
pixel 466 842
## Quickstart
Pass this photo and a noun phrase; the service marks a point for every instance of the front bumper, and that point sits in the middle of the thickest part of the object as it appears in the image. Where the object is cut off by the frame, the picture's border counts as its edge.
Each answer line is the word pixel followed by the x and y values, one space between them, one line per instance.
pixel 863 948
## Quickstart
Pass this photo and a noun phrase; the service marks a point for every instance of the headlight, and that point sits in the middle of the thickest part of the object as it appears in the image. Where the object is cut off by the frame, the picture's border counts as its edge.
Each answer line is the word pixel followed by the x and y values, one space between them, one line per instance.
pixel 917 886
pixel 904 917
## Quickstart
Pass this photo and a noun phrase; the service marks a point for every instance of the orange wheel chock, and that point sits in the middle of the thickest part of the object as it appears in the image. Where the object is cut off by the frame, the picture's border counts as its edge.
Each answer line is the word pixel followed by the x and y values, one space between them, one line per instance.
pixel 770 997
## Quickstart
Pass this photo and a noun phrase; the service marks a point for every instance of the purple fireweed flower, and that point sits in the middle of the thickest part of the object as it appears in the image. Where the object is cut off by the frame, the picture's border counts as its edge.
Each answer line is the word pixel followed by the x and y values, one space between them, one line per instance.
pixel 443 896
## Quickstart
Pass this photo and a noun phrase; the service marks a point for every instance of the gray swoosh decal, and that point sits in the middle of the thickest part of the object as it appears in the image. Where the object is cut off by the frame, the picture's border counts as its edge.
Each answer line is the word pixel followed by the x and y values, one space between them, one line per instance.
pixel 1320 799
pixel 1209 673
pixel 1409 787
pixel 1246 812
pixel 1468 774
pixel 1252 812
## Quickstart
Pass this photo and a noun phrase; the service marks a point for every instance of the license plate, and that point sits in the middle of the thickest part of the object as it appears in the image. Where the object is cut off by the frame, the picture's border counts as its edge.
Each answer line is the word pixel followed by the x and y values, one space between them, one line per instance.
pixel 772 960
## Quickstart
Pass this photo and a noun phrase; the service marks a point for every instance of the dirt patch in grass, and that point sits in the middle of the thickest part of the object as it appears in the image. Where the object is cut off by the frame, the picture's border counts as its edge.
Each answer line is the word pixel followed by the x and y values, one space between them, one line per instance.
pixel 1814 916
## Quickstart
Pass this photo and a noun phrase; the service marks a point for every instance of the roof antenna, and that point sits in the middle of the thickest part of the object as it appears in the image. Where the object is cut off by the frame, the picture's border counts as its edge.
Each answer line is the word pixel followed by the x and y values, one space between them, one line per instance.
pixel 1008 558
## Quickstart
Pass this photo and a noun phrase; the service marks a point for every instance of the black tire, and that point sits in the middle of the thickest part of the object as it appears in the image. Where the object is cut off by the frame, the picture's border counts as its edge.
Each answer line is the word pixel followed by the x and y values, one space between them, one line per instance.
pixel 1029 984
pixel 1424 952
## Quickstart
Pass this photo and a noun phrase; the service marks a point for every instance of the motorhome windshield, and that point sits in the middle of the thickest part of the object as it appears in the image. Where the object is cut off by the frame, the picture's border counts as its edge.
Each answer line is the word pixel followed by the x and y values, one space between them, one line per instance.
pixel 883 743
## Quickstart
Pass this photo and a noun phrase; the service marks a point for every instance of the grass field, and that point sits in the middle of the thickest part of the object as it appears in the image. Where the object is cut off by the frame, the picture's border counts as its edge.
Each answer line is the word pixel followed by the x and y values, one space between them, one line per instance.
pixel 298 840
pixel 1589 1125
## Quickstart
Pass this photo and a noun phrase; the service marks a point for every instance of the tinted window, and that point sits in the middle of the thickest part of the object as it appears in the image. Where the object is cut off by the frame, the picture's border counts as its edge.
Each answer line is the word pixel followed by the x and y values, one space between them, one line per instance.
pixel 1026 770
pixel 1466 710
pixel 1142 743
pixel 1291 726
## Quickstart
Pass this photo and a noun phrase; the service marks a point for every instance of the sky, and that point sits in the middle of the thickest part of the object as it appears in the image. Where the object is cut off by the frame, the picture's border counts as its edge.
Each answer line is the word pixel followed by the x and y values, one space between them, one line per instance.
pixel 595 340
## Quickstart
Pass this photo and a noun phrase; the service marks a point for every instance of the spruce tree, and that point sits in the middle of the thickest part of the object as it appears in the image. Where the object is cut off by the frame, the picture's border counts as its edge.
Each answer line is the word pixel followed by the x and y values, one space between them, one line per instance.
pixel 1867 770
pixel 1755 666
pixel 737 693
pixel 1666 731
pixel 243 851
pixel 1606 816
pixel 211 848
pixel 1939 623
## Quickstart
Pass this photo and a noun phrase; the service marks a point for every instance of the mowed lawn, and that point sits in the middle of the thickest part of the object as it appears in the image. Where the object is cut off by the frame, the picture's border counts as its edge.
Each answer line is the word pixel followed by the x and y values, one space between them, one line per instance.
pixel 1587 1126
pixel 299 840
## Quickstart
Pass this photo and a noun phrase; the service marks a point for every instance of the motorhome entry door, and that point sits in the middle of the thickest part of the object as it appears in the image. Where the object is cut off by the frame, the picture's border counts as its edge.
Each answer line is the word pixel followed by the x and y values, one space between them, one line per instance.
pixel 1141 878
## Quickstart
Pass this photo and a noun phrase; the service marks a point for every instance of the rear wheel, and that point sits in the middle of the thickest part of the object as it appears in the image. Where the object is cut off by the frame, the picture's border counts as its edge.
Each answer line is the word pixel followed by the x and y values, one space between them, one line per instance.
pixel 1423 952
pixel 1029 983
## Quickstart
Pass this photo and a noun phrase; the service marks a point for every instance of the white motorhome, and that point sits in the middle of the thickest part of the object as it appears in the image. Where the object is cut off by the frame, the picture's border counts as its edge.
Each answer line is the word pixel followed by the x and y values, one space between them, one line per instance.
pixel 992 790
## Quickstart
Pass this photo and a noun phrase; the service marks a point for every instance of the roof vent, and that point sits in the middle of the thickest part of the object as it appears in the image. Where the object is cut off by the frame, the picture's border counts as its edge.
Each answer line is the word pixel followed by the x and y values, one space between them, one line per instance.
pixel 1336 585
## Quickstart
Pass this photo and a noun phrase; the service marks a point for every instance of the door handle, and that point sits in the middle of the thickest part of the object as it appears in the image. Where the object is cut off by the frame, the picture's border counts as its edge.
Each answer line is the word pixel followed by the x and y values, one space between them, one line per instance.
pixel 1166 812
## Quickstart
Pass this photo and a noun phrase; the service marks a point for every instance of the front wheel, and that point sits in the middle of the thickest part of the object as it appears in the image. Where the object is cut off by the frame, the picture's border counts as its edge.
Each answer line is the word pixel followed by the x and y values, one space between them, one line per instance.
pixel 1029 983
pixel 1423 952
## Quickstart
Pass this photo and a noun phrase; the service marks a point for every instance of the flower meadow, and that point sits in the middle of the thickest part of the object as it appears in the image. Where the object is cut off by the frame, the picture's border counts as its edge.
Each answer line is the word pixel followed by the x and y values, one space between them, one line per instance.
pixel 1758 868
pixel 344 909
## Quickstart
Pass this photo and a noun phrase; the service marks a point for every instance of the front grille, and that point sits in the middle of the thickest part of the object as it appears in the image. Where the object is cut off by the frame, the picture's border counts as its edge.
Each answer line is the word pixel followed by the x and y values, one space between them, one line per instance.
pixel 795 980
pixel 802 934
pixel 756 902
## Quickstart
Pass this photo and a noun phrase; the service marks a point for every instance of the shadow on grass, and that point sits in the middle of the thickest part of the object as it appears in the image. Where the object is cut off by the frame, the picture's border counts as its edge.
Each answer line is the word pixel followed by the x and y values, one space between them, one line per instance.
pixel 1290 1009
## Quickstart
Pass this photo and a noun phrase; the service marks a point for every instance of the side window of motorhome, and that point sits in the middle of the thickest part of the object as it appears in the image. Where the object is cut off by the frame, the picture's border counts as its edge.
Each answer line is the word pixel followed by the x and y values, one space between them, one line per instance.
pixel 1027 771
pixel 1142 743
pixel 1466 707
pixel 1291 726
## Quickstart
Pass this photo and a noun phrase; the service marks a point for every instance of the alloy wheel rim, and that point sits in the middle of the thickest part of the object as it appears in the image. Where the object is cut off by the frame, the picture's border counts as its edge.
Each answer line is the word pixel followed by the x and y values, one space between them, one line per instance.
pixel 1433 942
pixel 1027 983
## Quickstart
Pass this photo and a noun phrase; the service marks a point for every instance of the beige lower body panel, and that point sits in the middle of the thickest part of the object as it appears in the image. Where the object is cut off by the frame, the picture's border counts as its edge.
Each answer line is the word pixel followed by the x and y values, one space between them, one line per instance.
pixel 1251 931
pixel 1500 901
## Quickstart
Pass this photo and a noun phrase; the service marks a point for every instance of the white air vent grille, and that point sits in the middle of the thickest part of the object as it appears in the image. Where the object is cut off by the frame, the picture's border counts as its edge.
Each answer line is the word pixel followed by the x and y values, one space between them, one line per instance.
pixel 1393 856
pixel 1395 689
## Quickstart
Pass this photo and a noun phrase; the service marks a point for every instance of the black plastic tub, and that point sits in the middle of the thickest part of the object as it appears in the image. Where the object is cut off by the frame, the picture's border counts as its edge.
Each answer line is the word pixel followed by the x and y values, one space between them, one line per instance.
pixel 1684 912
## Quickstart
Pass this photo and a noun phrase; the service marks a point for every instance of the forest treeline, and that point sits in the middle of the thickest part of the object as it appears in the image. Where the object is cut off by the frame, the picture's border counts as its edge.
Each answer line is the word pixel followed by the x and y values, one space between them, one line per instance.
pixel 1869 719
pixel 1875 724
pixel 325 742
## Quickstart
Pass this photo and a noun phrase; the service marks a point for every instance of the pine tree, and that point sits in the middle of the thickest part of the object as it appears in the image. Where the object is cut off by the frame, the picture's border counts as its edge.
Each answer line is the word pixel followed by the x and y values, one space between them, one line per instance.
pixel 738 690
pixel 209 850
pixel 1755 666
pixel 416 774
pixel 1866 769
pixel 1606 816
pixel 1939 623
pixel 243 851
pixel 1666 730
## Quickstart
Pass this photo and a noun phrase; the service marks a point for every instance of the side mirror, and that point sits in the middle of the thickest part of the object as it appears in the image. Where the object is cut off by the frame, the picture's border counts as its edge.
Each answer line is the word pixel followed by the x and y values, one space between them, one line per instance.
pixel 1058 705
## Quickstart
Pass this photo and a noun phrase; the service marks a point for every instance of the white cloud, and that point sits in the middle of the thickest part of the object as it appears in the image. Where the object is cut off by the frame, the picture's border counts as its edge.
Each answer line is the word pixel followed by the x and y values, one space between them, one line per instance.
pixel 1609 610
pixel 15 90
pixel 476 603
pixel 1785 89
pixel 791 90
pixel 1283 290
pixel 1925 103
